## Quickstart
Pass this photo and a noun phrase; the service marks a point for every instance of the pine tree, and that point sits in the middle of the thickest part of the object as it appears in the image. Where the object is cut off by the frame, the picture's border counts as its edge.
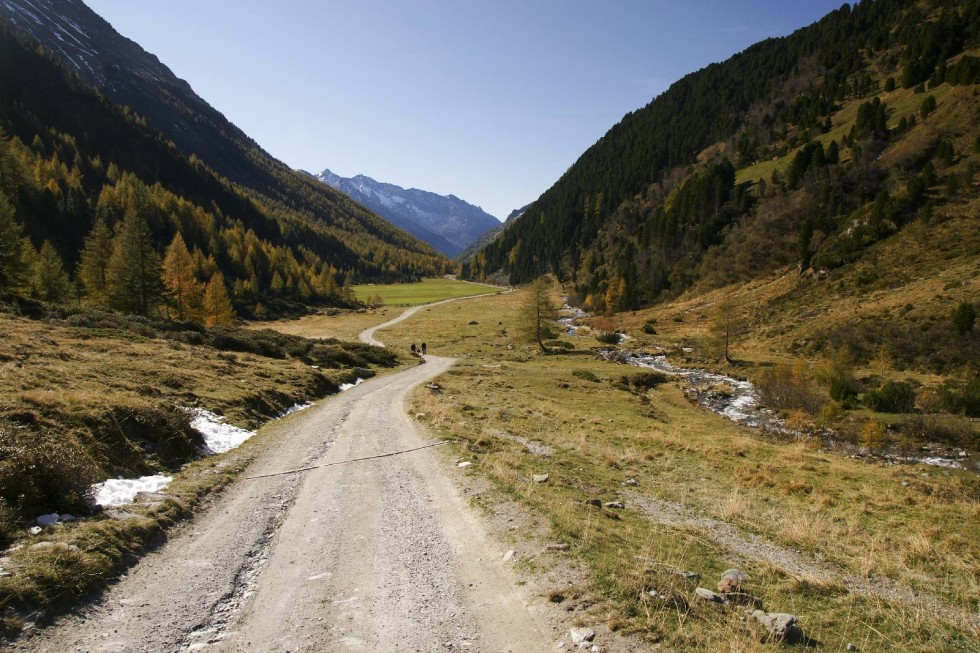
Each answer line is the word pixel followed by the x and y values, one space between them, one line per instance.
pixel 93 268
pixel 49 281
pixel 134 279
pixel 11 268
pixel 182 287
pixel 217 305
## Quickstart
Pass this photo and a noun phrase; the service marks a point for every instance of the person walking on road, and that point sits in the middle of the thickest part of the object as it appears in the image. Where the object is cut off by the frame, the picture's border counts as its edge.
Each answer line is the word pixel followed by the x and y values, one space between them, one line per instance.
pixel 423 349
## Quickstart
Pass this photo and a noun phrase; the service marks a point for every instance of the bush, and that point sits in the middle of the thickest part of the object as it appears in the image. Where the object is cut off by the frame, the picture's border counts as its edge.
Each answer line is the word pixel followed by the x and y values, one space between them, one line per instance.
pixel 608 338
pixel 585 375
pixel 648 380
pixel 956 431
pixel 790 388
pixel 648 329
pixel 42 473
pixel 893 397
pixel 843 390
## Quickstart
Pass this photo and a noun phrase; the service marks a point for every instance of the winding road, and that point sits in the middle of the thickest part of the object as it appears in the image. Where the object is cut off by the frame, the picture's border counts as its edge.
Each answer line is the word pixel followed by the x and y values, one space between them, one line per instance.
pixel 375 555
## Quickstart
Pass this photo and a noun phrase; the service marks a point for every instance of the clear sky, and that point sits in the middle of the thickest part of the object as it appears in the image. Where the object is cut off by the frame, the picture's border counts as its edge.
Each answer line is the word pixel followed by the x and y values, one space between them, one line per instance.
pixel 490 100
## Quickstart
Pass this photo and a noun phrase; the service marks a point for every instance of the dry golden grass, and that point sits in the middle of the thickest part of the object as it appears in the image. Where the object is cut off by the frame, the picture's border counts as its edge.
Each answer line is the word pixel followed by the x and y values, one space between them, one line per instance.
pixel 854 517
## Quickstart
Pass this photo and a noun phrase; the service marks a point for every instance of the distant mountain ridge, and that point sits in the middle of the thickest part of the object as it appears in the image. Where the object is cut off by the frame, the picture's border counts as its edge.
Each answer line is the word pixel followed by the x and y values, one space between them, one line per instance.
pixel 446 222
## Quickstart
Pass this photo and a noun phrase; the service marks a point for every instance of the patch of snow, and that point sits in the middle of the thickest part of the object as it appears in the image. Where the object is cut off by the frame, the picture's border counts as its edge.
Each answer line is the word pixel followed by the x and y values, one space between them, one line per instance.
pixel 348 386
pixel 118 491
pixel 294 409
pixel 218 435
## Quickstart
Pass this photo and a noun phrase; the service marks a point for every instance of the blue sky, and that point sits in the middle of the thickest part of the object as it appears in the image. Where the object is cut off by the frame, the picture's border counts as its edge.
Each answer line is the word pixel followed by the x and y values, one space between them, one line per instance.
pixel 489 100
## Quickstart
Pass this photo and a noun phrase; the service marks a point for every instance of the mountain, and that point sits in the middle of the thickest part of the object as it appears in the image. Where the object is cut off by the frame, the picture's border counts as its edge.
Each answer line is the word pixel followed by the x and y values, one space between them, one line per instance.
pixel 812 149
pixel 446 222
pixel 492 234
pixel 76 92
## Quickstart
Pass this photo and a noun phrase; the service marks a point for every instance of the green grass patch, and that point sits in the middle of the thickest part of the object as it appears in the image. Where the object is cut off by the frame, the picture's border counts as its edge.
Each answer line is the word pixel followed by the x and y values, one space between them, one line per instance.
pixel 422 292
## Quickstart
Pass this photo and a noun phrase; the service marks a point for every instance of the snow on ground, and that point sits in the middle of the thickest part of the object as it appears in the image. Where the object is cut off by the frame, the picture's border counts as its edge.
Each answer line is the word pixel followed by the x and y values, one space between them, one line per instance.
pixel 348 386
pixel 295 408
pixel 218 435
pixel 117 491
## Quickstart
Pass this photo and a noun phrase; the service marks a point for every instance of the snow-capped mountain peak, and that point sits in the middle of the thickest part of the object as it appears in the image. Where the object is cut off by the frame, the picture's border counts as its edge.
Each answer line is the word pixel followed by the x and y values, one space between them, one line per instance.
pixel 444 221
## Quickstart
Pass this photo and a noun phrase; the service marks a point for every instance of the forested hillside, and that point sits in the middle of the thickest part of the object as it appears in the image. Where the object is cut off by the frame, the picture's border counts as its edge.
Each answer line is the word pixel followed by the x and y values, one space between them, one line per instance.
pixel 76 168
pixel 809 148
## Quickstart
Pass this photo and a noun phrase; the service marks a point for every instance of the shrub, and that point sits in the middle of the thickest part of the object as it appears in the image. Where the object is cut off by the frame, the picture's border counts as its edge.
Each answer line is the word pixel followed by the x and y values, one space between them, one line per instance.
pixel 648 380
pixel 956 431
pixel 873 434
pixel 42 473
pixel 585 375
pixel 790 387
pixel 893 397
pixel 608 338
pixel 843 390
pixel 648 329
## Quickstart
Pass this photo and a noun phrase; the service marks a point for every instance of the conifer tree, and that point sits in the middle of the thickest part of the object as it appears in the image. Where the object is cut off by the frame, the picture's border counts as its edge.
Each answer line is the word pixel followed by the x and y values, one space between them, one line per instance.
pixel 49 281
pixel 538 313
pixel 93 268
pixel 11 268
pixel 134 274
pixel 182 287
pixel 217 305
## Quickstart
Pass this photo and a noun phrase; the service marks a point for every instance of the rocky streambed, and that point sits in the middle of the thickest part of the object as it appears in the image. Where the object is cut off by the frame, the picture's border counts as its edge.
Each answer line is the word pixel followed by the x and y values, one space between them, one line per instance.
pixel 739 401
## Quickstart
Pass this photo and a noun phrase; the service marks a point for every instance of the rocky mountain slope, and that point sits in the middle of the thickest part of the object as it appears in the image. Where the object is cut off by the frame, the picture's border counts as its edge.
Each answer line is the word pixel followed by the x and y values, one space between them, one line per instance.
pixel 446 222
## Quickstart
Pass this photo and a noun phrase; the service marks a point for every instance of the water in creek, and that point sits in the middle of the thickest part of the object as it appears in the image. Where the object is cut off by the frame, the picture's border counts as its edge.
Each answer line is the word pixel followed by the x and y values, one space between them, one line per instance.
pixel 739 401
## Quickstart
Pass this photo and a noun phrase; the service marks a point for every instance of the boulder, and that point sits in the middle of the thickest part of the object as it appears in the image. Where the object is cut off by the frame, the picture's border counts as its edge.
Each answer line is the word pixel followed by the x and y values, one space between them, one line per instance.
pixel 732 581
pixel 540 478
pixel 47 520
pixel 617 505
pixel 781 626
pixel 581 635
pixel 707 595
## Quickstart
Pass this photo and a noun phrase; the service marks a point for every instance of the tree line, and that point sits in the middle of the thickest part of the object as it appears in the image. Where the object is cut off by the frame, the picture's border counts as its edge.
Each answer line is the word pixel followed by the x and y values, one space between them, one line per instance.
pixel 69 159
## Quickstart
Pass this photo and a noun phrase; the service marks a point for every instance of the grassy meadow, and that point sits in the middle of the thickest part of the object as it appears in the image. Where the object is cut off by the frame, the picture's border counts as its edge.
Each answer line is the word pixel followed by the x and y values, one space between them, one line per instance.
pixel 425 291
pixel 882 556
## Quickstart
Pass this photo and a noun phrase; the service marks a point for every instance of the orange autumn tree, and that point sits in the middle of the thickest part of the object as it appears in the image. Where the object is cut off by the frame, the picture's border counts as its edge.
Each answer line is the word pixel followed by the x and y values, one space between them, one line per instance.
pixel 217 304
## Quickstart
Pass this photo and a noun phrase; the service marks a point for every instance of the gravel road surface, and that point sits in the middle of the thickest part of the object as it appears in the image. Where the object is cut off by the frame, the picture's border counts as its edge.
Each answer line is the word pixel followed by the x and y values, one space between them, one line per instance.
pixel 377 555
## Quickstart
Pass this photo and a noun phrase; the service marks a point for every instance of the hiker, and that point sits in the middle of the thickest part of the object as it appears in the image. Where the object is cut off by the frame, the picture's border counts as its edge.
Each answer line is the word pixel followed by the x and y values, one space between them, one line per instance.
pixel 414 350
pixel 423 349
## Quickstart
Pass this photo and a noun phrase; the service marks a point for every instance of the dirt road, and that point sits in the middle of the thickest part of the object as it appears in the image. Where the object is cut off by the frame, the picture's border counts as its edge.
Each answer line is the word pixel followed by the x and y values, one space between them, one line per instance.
pixel 378 555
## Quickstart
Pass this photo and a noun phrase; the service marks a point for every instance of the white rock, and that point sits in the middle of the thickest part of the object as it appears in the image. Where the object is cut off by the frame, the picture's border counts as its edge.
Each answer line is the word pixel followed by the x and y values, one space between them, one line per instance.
pixel 540 478
pixel 465 464
pixel 580 635
pixel 508 555
pixel 34 530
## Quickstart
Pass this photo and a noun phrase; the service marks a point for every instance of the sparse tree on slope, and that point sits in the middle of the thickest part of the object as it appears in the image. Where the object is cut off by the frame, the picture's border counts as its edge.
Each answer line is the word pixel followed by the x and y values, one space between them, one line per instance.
pixel 134 274
pixel 726 328
pixel 217 305
pixel 93 268
pixel 183 289
pixel 538 313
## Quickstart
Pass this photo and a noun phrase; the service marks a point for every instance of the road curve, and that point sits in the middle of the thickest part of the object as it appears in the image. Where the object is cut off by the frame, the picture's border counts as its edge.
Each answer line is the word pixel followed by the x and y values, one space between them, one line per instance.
pixel 377 555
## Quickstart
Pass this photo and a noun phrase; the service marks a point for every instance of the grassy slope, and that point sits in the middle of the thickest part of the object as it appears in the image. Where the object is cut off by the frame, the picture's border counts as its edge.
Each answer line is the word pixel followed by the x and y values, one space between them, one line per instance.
pixel 858 516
